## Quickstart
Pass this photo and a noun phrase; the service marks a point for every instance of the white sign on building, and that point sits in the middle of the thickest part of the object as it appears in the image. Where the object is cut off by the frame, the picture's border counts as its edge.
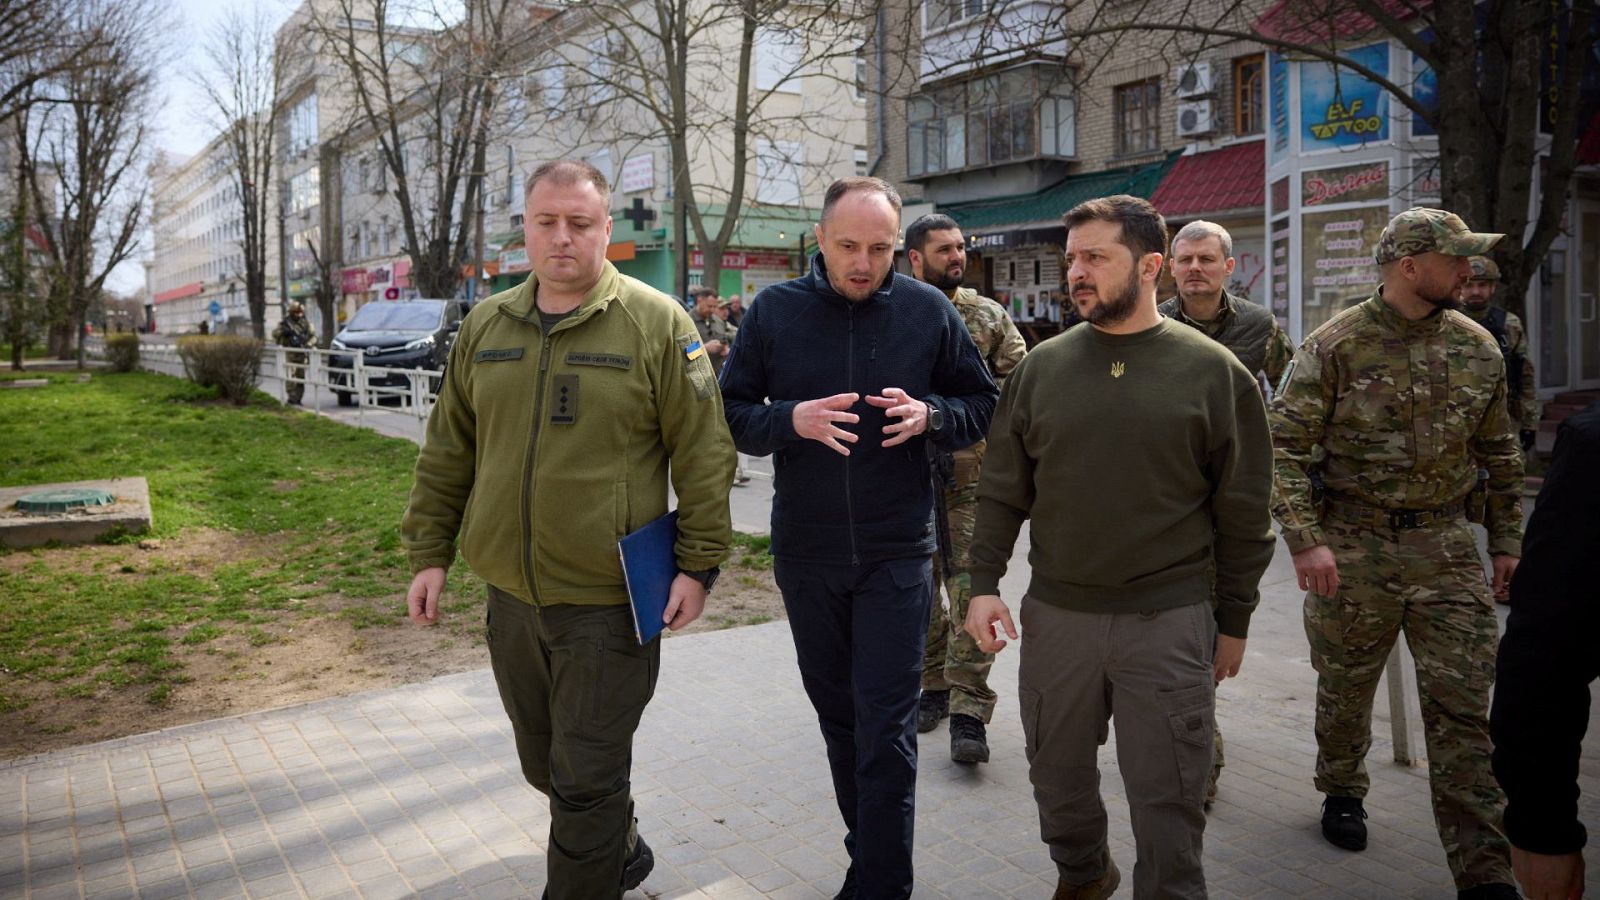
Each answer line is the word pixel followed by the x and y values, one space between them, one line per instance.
pixel 639 173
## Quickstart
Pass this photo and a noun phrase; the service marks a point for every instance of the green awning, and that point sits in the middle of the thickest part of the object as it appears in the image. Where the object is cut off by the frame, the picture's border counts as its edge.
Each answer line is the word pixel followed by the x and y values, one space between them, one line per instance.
pixel 1047 206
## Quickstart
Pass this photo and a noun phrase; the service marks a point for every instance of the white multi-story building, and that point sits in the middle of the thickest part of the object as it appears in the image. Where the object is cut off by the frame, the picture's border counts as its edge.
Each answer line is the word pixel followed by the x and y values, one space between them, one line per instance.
pixel 196 270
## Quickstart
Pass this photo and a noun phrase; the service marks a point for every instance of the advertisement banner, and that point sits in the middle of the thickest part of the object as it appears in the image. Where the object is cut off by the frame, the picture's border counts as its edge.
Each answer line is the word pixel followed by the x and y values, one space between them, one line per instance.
pixel 355 281
pixel 1364 182
pixel 639 173
pixel 1336 260
pixel 1339 108
pixel 1278 78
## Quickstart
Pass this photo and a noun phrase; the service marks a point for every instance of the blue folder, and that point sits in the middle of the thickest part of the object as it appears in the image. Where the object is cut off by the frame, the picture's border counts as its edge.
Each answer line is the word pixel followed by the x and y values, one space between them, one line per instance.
pixel 649 565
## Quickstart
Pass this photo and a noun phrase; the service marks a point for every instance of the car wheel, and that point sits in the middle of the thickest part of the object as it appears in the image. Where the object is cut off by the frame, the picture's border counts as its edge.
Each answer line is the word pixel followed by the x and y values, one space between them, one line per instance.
pixel 345 398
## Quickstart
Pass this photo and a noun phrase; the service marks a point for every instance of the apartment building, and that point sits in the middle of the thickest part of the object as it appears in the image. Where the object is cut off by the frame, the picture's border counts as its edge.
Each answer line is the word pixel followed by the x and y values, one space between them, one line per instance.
pixel 196 269
pixel 577 96
pixel 994 118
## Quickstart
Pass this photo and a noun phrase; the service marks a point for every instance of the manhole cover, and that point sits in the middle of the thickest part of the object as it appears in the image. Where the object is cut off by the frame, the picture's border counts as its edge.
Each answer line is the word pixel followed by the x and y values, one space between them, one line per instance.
pixel 63 500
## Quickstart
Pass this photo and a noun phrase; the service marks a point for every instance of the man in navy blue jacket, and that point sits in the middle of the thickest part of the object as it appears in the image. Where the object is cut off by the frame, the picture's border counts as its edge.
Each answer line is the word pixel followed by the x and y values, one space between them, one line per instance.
pixel 845 375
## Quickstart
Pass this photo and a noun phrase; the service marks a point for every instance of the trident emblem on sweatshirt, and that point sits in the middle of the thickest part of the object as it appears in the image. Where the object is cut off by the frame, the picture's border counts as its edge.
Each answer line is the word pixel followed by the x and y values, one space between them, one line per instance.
pixel 1117 368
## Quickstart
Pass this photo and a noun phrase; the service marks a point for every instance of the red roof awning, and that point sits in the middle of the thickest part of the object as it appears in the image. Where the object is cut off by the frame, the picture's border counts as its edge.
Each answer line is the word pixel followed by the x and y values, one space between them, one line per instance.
pixel 188 290
pixel 1303 23
pixel 1231 178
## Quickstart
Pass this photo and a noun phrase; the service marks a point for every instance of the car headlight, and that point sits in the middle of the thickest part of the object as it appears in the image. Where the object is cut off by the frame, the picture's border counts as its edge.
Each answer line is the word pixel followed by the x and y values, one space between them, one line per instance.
pixel 338 345
pixel 420 344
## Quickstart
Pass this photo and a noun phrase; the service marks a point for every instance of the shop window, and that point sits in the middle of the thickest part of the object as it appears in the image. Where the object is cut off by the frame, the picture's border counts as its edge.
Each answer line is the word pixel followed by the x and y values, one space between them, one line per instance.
pixel 1138 108
pixel 1248 99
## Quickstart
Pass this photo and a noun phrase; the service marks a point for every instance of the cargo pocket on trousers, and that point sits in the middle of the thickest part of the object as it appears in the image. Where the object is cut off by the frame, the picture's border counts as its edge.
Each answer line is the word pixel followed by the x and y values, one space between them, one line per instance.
pixel 1189 715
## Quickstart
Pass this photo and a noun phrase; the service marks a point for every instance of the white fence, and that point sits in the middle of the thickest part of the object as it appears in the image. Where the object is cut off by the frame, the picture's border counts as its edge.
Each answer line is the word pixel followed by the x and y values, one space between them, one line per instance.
pixel 340 374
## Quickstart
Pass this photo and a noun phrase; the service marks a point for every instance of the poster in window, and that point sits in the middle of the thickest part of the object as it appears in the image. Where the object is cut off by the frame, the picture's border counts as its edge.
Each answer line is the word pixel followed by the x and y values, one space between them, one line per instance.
pixel 1337 269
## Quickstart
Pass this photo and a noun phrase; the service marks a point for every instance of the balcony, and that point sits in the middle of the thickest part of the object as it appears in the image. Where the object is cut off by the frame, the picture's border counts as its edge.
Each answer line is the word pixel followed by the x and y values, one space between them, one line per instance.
pixel 1019 115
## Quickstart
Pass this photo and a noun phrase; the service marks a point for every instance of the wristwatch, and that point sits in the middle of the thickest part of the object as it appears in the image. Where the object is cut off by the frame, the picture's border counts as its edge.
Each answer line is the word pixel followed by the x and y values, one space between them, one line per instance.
pixel 706 577
pixel 935 419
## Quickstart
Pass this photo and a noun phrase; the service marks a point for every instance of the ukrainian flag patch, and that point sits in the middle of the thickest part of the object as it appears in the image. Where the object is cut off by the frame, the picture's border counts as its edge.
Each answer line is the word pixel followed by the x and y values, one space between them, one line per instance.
pixel 694 351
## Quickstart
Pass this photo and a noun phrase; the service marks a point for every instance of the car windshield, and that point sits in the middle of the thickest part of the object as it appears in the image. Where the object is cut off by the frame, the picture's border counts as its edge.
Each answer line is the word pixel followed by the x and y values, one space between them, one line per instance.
pixel 390 316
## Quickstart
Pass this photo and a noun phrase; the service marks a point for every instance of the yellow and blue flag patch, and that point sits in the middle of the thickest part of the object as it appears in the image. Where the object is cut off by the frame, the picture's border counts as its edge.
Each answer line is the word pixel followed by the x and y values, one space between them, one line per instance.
pixel 694 351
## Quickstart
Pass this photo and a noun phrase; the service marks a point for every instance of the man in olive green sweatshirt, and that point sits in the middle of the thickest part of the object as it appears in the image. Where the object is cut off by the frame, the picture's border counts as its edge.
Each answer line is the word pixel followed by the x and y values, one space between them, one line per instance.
pixel 563 404
pixel 1139 449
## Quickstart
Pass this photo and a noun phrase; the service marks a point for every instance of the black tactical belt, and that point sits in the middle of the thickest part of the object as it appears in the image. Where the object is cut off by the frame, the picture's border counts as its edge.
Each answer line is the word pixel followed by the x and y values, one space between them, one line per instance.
pixel 1397 519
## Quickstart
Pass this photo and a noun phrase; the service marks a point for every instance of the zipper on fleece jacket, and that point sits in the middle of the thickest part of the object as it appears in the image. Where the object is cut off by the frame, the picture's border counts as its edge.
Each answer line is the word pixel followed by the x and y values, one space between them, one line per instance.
pixel 527 469
pixel 849 374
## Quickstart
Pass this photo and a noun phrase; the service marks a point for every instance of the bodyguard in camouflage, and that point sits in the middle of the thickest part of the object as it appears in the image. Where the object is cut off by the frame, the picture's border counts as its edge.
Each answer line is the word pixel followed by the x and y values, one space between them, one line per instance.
pixel 1507 330
pixel 1404 398
pixel 716 335
pixel 294 331
pixel 952 661
pixel 567 402
pixel 1202 260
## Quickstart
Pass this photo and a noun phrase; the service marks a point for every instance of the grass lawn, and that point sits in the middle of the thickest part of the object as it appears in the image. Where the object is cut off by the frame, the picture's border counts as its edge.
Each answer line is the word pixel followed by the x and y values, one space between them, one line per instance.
pixel 271 527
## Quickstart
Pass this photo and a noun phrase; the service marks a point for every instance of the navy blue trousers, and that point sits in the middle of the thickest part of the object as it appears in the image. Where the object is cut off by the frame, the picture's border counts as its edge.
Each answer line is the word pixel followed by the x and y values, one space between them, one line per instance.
pixel 859 633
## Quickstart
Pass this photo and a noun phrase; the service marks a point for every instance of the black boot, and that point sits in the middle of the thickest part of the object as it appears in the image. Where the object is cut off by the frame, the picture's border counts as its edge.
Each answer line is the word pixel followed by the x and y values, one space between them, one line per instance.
pixel 639 864
pixel 847 891
pixel 1343 822
pixel 931 707
pixel 969 743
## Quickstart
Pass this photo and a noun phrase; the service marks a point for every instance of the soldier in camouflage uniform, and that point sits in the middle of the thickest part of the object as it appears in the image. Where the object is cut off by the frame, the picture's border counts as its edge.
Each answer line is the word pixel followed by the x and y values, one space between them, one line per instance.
pixel 1405 399
pixel 1202 260
pixel 955 673
pixel 295 331
pixel 1507 330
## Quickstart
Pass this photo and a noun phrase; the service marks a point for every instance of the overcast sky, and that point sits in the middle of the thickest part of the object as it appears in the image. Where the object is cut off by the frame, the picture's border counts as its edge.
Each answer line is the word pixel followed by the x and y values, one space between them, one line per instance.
pixel 181 124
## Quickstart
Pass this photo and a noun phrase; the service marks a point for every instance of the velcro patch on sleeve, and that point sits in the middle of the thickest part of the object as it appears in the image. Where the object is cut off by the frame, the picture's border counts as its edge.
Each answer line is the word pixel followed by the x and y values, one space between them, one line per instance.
pixel 497 355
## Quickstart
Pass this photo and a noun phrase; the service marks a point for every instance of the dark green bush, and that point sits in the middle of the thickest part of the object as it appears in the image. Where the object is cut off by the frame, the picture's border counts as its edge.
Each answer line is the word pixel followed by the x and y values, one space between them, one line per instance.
pixel 231 364
pixel 122 352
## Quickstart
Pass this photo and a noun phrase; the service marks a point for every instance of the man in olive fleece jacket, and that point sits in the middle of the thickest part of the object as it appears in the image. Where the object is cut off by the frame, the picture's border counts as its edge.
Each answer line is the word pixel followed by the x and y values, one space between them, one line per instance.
pixel 566 400
pixel 1139 449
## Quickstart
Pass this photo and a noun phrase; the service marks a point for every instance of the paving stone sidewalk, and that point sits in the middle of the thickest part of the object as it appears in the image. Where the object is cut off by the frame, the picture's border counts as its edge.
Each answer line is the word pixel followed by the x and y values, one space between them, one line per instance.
pixel 415 792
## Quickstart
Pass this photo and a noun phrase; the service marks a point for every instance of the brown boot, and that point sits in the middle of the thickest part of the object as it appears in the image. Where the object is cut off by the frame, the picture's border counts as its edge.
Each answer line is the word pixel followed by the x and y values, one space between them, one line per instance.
pixel 1100 888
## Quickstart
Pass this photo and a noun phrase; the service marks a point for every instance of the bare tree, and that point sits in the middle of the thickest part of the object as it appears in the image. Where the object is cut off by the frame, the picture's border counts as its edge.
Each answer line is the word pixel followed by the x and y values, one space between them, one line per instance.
pixel 241 84
pixel 39 44
pixel 92 140
pixel 22 289
pixel 1489 59
pixel 422 84
pixel 682 74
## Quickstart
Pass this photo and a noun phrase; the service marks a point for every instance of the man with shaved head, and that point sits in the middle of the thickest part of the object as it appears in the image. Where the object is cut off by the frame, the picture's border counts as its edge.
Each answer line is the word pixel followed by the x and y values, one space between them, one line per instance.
pixel 848 376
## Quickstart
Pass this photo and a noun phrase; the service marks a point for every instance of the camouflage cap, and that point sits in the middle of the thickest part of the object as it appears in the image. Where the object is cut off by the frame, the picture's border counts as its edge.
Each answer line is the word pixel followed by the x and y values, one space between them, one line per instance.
pixel 1421 230
pixel 296 308
pixel 1484 269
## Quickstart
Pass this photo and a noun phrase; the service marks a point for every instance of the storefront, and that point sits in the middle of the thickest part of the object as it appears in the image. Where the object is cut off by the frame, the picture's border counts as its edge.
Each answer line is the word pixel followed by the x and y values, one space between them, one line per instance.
pixel 1014 244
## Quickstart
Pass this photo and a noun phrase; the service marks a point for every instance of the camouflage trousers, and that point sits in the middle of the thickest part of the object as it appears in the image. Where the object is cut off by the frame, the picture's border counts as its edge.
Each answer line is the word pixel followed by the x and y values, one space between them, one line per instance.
pixel 294 386
pixel 1428 582
pixel 952 661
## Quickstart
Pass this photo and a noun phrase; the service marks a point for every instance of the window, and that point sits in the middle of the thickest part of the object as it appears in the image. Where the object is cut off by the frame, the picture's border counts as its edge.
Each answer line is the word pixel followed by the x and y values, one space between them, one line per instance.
pixel 1248 105
pixel 555 89
pixel 1027 112
pixel 1138 117
pixel 305 190
pixel 602 161
pixel 388 236
pixel 862 161
pixel 778 172
pixel 860 86
pixel 355 242
pixel 777 60
pixel 941 13
pixel 302 124
pixel 600 70
pixel 366 240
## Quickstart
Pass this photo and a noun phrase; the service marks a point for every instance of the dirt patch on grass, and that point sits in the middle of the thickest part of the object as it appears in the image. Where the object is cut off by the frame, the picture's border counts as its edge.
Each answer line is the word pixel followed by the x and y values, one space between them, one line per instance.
pixel 324 645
